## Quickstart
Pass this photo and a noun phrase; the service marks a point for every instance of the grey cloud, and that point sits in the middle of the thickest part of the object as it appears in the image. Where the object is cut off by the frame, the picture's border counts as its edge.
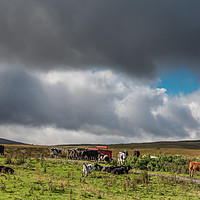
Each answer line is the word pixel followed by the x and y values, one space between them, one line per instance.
pixel 95 108
pixel 136 37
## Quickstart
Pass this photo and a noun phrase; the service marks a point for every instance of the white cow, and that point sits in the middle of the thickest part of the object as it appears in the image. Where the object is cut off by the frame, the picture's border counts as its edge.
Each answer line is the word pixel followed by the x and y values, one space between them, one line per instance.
pixel 87 169
pixel 122 158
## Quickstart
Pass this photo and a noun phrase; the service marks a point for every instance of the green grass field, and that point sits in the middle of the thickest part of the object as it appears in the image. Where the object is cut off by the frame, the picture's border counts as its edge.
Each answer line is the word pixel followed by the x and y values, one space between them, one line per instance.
pixel 36 177
pixel 46 179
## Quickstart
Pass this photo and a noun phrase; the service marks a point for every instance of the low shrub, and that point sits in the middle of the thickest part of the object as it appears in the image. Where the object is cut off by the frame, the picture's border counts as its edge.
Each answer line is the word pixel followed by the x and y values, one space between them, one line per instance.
pixel 164 163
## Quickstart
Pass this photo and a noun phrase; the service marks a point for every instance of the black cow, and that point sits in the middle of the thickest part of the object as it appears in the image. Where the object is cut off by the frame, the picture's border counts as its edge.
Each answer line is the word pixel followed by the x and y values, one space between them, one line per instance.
pixel 136 154
pixel 2 149
pixel 91 154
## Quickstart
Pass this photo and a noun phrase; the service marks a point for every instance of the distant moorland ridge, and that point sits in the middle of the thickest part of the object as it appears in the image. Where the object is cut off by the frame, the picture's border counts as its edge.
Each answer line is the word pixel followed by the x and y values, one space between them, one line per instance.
pixel 187 144
pixel 6 141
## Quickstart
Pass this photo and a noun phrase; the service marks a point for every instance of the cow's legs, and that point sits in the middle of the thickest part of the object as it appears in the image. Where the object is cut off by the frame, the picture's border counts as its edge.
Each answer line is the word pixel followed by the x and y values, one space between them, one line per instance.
pixel 192 172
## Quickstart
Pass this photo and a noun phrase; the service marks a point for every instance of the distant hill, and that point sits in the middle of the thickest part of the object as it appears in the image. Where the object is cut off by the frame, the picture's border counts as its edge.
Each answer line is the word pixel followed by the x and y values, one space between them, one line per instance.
pixel 185 144
pixel 5 141
pixel 188 144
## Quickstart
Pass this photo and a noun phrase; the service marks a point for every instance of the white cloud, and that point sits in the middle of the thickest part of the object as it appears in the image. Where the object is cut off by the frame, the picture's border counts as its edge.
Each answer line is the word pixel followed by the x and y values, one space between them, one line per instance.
pixel 92 107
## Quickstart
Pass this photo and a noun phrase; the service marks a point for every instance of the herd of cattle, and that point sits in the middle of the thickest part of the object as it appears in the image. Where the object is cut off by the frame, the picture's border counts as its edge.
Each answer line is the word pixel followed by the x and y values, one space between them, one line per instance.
pixel 85 154
pixel 81 154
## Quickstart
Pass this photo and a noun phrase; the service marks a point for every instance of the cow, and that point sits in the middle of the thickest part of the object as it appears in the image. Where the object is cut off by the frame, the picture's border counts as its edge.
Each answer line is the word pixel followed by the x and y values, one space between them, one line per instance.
pixel 136 154
pixel 102 157
pixel 121 170
pixel 91 155
pixel 126 152
pixel 80 153
pixel 87 169
pixel 111 168
pixel 2 149
pixel 72 154
pixel 122 158
pixel 6 170
pixel 106 159
pixel 193 166
pixel 106 168
pixel 55 152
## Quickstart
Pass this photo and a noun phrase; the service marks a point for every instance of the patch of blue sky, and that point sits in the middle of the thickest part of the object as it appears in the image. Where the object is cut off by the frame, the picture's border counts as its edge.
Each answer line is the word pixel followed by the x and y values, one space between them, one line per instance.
pixel 178 81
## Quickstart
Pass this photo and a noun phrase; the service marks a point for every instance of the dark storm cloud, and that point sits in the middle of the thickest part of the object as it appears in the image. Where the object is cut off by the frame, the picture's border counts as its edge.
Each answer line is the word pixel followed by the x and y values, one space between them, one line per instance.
pixel 136 37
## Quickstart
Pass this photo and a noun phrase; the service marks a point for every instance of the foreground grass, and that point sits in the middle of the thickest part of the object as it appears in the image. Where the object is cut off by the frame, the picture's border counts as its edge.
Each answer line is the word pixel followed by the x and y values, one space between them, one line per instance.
pixel 46 179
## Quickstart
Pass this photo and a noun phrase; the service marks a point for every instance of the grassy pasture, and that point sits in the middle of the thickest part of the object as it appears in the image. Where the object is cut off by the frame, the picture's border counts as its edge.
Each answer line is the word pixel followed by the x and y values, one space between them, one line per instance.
pixel 38 178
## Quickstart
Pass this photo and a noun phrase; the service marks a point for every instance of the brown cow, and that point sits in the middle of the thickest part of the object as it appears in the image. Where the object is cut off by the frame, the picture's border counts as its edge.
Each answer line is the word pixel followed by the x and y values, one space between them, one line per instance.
pixel 193 166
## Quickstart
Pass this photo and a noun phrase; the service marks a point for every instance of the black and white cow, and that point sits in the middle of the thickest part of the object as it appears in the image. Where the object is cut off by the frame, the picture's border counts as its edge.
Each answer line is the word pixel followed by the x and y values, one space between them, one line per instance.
pixel 102 157
pixel 87 169
pixel 121 170
pixel 122 157
pixel 55 152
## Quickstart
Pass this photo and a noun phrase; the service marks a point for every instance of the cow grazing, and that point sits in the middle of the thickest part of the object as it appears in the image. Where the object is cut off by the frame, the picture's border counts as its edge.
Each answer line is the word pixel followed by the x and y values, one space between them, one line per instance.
pixel 122 158
pixel 87 169
pixel 6 170
pixel 193 166
pixel 136 154
pixel 55 152
pixel 2 149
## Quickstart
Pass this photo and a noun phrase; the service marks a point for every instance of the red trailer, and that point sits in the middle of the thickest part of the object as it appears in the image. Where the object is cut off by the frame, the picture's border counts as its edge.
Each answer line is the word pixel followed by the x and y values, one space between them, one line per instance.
pixel 104 150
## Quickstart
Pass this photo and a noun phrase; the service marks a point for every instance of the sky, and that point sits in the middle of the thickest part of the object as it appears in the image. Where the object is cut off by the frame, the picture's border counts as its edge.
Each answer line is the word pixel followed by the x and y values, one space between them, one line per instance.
pixel 93 71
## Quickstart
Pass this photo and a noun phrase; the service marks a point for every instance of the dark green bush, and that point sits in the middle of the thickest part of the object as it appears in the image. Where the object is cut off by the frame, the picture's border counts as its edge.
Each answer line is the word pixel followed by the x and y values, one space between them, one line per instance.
pixel 164 163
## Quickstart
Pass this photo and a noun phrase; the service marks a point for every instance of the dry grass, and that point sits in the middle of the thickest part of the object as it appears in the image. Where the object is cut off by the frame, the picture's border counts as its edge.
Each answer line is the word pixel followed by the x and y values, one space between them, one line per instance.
pixel 43 151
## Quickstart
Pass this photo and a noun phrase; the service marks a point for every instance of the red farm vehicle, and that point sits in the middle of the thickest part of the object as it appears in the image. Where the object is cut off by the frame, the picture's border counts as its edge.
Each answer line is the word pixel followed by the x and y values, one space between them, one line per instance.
pixel 104 150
